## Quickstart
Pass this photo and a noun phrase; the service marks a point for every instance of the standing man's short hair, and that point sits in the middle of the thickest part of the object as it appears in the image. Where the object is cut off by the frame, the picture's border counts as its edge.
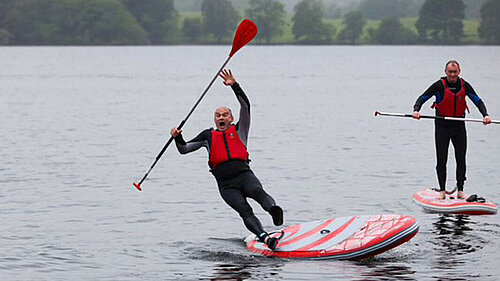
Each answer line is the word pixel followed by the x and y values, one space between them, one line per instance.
pixel 451 62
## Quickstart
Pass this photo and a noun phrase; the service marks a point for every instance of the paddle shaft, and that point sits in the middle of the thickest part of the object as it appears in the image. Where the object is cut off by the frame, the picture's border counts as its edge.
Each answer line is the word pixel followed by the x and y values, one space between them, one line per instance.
pixel 433 117
pixel 184 121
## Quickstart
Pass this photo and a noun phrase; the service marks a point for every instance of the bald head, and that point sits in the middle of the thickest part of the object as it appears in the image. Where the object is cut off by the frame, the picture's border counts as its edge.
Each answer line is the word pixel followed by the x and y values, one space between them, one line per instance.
pixel 224 109
pixel 223 118
pixel 452 62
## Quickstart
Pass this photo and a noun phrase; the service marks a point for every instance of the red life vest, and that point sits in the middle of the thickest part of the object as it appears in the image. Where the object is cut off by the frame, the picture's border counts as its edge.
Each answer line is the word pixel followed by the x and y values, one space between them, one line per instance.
pixel 226 146
pixel 452 105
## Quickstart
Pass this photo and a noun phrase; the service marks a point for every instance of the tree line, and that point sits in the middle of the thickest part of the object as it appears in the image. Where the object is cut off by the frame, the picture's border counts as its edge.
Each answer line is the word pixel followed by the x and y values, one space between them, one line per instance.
pixel 142 22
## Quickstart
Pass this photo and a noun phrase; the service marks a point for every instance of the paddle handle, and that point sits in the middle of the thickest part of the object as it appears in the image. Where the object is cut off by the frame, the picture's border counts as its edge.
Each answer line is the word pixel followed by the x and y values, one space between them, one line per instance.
pixel 138 185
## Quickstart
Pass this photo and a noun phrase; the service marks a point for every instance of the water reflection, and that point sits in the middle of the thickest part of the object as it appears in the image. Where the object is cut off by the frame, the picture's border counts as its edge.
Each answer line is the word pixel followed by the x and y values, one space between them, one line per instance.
pixel 235 264
pixel 246 270
pixel 386 267
pixel 232 272
pixel 390 272
pixel 454 236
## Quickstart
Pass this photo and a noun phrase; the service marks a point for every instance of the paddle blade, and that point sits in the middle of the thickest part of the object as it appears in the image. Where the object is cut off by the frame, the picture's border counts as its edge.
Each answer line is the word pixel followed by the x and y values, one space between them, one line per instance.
pixel 138 186
pixel 246 32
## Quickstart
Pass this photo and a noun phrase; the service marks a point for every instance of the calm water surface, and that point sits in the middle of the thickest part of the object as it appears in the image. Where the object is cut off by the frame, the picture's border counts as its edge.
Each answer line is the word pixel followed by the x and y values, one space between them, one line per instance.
pixel 79 125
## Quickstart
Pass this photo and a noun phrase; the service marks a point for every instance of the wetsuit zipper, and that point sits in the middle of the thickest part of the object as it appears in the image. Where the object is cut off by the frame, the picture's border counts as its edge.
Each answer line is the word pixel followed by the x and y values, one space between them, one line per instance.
pixel 227 146
pixel 455 108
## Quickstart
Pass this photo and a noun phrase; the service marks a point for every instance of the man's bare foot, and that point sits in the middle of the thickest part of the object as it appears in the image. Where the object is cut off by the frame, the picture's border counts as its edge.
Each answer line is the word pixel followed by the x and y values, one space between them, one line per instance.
pixel 442 195
pixel 460 195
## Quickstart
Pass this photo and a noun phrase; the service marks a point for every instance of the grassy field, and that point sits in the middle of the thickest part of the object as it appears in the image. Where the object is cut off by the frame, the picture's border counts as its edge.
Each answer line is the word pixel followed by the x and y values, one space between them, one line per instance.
pixel 184 15
pixel 470 29
pixel 471 35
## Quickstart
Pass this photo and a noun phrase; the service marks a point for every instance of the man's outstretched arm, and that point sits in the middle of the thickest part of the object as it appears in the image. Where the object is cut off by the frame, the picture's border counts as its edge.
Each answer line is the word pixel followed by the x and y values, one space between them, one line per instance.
pixel 201 140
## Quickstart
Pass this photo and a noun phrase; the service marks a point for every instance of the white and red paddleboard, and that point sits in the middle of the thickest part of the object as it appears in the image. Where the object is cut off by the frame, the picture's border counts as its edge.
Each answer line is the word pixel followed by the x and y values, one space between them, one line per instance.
pixel 429 200
pixel 346 238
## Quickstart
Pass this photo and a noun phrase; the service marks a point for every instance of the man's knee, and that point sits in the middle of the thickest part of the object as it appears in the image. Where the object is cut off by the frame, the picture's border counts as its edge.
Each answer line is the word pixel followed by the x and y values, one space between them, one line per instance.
pixel 245 212
pixel 257 192
pixel 441 167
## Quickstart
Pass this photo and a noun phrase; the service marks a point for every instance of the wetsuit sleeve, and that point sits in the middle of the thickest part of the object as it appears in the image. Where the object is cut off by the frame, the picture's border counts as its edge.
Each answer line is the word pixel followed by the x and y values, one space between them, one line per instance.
pixel 433 90
pixel 469 91
pixel 243 125
pixel 201 140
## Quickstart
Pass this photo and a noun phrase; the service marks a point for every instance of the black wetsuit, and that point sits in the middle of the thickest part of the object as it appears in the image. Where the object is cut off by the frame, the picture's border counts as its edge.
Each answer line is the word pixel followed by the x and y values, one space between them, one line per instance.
pixel 235 179
pixel 446 130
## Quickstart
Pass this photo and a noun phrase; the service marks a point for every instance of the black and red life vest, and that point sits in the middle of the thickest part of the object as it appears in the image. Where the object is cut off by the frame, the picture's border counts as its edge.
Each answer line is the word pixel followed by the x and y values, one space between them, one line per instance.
pixel 226 146
pixel 452 105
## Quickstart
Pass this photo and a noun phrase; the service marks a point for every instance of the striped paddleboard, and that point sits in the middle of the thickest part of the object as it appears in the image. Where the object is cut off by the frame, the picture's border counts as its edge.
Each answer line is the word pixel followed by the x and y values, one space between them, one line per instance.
pixel 346 238
pixel 429 200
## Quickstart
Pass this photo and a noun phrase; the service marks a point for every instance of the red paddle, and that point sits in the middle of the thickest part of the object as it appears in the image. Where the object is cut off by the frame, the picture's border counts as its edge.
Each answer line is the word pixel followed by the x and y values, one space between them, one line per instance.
pixel 246 32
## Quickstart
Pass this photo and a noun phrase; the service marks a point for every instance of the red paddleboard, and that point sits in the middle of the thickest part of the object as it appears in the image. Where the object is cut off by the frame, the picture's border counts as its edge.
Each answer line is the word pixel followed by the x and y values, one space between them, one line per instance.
pixel 429 200
pixel 346 238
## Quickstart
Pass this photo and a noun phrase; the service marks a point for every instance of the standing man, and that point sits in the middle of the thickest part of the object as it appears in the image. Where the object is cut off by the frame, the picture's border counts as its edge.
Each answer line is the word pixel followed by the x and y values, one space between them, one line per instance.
pixel 228 161
pixel 450 92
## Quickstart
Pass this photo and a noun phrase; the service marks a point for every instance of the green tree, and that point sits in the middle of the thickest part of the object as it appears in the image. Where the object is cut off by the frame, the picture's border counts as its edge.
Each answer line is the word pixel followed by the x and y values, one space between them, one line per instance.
pixel 61 22
pixel 332 11
pixel 391 32
pixel 219 18
pixel 441 21
pixel 192 29
pixel 5 7
pixel 109 22
pixel 5 37
pixel 308 26
pixel 353 27
pixel 158 17
pixel 188 5
pixel 379 9
pixel 489 30
pixel 25 25
pixel 269 15
pixel 473 8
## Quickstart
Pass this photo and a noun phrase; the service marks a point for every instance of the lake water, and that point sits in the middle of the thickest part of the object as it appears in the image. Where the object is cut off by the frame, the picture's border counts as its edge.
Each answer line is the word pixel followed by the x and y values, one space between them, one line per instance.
pixel 79 124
